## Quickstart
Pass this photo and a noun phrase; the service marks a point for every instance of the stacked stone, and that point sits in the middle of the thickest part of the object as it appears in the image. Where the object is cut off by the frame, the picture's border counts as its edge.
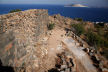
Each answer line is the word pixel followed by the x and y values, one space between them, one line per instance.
pixel 64 63
pixel 89 50
pixel 27 28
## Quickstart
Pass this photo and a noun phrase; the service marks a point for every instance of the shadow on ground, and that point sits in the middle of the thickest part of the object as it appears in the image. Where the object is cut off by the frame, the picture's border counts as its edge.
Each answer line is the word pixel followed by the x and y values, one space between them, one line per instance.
pixel 53 70
pixel 5 68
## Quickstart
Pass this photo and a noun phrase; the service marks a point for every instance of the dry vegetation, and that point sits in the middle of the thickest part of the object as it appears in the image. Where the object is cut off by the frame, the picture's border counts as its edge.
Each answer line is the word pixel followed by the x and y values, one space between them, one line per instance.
pixel 95 35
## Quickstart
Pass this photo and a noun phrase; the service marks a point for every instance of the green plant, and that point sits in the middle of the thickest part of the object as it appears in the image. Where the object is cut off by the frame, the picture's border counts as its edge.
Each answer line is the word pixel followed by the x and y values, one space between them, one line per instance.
pixel 94 39
pixel 106 35
pixel 78 19
pixel 15 10
pixel 51 26
pixel 79 28
pixel 105 53
pixel 100 31
pixel 99 25
pixel 105 43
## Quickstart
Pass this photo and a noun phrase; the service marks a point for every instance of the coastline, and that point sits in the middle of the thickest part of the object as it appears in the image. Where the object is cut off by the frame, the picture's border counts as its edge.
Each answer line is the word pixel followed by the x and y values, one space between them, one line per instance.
pixel 87 13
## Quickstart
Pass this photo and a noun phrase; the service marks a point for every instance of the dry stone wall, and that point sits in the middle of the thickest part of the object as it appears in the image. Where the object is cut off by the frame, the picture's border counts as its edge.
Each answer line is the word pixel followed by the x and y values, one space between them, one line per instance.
pixel 22 43
pixel 19 33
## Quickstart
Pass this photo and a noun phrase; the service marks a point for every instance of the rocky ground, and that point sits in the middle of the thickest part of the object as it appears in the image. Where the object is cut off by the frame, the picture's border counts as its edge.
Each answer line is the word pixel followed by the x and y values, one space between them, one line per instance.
pixel 34 48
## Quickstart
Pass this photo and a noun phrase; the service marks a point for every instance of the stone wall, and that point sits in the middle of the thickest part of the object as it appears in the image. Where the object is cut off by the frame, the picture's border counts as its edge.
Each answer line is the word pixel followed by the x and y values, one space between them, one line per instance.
pixel 19 33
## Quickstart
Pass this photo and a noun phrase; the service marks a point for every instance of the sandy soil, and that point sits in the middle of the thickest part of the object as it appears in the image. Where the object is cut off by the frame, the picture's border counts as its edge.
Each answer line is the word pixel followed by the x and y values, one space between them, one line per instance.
pixel 54 41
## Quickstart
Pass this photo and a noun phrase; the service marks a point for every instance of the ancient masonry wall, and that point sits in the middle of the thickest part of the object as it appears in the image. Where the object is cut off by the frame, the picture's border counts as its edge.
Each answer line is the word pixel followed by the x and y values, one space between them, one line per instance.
pixel 19 33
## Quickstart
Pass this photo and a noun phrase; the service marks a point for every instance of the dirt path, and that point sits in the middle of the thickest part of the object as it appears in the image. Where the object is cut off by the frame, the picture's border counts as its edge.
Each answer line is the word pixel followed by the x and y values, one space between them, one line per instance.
pixel 55 39
pixel 55 46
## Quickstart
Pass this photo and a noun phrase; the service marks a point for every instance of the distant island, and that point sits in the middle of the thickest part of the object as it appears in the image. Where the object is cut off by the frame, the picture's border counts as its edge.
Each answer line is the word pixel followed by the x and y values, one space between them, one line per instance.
pixel 75 5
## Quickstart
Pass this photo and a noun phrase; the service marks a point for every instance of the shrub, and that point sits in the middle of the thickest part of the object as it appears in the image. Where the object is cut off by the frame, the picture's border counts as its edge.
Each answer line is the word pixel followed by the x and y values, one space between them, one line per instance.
pixel 106 35
pixel 79 29
pixel 90 38
pixel 94 39
pixel 51 26
pixel 106 43
pixel 100 31
pixel 78 19
pixel 105 53
pixel 99 25
pixel 15 10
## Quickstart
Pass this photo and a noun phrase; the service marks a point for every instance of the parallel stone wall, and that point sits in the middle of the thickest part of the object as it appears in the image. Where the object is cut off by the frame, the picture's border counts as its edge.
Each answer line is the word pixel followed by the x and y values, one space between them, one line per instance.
pixel 19 33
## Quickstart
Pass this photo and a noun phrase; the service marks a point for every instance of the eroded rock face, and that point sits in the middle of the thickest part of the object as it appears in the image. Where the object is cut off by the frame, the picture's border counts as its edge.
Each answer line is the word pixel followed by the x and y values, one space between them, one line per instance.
pixel 19 33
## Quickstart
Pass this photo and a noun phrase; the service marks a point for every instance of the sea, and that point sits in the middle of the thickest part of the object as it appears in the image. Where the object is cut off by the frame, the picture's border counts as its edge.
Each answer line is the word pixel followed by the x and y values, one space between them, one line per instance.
pixel 87 14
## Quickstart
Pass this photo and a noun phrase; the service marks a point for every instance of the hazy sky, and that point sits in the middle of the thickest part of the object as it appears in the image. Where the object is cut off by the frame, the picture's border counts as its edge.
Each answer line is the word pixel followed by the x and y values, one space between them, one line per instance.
pixel 99 3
